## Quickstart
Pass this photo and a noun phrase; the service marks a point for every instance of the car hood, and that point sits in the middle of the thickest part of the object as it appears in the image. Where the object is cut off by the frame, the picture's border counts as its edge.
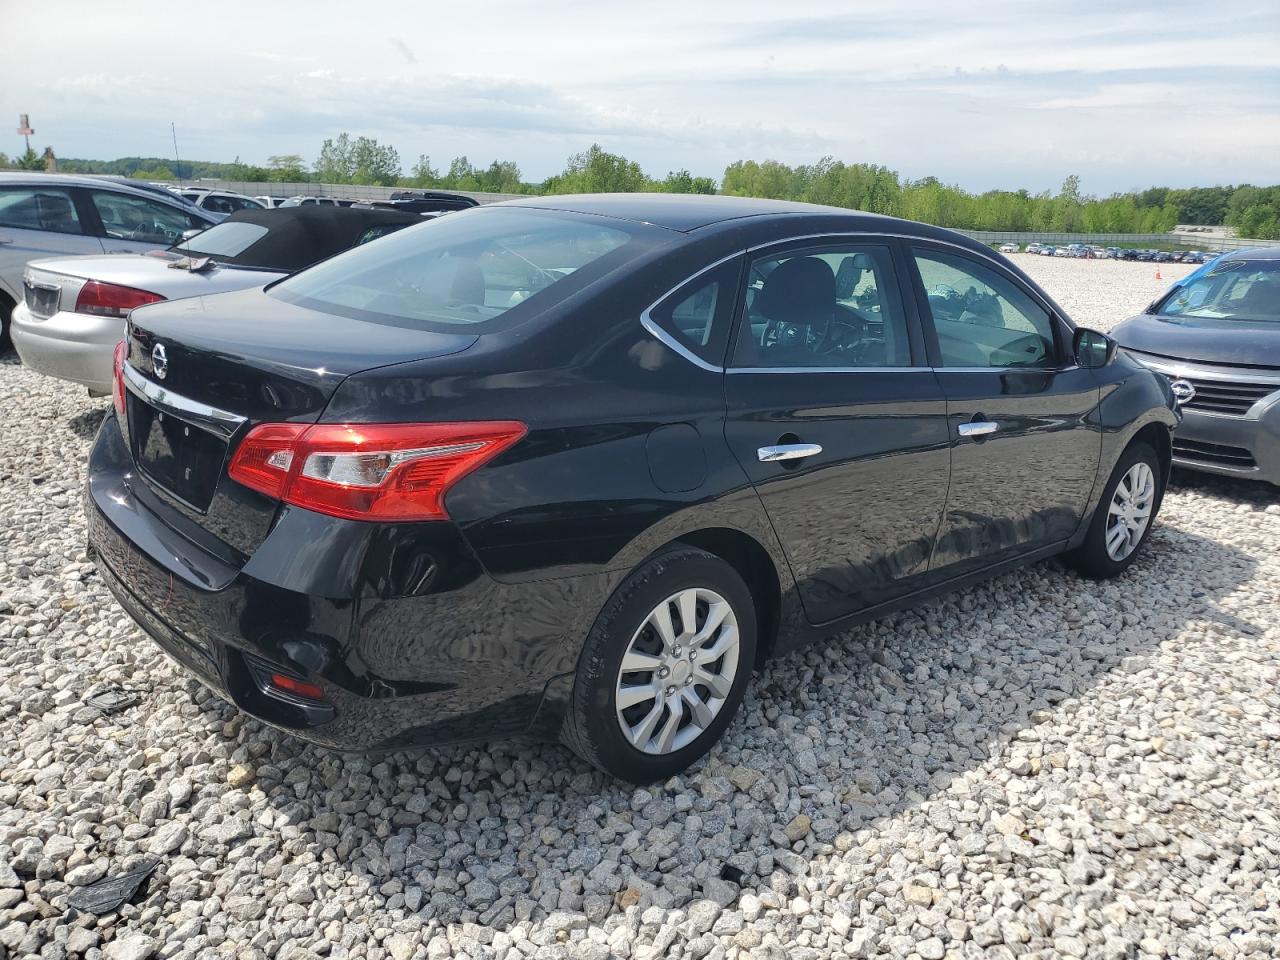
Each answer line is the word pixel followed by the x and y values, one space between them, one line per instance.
pixel 152 272
pixel 1253 343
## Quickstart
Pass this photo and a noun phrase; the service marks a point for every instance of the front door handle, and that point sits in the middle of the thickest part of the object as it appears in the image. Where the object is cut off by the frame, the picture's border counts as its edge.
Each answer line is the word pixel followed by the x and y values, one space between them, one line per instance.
pixel 978 428
pixel 4 240
pixel 787 451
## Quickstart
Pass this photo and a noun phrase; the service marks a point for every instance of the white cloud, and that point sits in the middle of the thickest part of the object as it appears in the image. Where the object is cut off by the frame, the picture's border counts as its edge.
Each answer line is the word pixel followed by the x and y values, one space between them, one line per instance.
pixel 1007 94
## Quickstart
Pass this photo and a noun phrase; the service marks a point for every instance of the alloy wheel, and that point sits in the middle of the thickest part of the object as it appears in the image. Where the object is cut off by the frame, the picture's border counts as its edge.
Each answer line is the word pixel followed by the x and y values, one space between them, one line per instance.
pixel 678 671
pixel 1130 510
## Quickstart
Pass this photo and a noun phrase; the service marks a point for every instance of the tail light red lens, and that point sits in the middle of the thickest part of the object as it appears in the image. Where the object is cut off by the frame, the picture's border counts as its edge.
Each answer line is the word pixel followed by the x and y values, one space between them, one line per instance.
pixel 388 471
pixel 117 379
pixel 297 687
pixel 111 299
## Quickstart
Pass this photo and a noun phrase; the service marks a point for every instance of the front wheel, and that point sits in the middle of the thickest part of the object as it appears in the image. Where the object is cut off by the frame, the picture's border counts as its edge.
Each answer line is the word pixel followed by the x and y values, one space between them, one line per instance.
pixel 1124 516
pixel 664 668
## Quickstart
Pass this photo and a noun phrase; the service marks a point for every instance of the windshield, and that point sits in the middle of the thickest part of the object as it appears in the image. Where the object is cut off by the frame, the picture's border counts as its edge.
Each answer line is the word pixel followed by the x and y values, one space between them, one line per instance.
pixel 468 268
pixel 1230 289
pixel 224 240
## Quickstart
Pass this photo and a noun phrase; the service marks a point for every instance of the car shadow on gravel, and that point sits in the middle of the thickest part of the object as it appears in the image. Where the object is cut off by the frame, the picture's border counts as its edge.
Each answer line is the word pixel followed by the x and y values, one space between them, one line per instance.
pixel 85 425
pixel 853 734
pixel 1257 492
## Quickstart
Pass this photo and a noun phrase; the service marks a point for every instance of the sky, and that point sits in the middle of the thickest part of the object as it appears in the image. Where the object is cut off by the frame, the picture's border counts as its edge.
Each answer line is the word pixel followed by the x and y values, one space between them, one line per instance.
pixel 998 94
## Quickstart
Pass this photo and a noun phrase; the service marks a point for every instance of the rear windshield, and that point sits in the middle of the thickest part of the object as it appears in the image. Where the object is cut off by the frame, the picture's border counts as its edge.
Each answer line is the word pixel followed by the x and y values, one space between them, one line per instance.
pixel 223 240
pixel 1229 289
pixel 468 268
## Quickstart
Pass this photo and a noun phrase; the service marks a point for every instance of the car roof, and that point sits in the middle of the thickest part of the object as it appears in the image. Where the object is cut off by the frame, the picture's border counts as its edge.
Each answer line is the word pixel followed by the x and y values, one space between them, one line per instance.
pixel 299 236
pixel 1254 253
pixel 682 212
pixel 20 178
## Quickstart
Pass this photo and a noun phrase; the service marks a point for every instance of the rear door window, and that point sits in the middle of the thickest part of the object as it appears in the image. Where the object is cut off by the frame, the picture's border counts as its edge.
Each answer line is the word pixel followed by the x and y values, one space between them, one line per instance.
pixel 834 306
pixel 126 217
pixel 38 208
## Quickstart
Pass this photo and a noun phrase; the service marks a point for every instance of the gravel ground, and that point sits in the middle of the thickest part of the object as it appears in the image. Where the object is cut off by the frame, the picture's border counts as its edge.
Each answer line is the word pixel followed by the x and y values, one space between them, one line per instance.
pixel 1034 767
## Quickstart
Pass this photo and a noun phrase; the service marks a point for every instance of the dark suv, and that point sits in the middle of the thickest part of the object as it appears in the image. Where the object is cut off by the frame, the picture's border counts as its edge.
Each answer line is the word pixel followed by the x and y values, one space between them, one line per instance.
pixel 575 466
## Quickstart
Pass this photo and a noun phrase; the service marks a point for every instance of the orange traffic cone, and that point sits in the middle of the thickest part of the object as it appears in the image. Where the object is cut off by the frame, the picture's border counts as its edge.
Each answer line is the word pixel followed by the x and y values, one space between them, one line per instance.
pixel 1158 277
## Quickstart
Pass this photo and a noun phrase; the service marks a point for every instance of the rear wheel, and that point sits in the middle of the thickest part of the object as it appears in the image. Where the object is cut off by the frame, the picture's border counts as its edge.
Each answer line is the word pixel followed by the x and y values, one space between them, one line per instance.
pixel 1124 516
pixel 6 318
pixel 664 668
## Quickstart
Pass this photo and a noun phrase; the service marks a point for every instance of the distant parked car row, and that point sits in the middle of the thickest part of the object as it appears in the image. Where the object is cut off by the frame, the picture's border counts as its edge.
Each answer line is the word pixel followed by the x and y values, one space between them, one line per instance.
pixel 1090 252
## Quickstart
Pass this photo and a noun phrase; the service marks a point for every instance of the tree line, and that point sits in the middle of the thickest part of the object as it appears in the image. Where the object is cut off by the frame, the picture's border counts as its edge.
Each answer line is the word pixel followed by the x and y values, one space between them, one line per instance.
pixel 1253 211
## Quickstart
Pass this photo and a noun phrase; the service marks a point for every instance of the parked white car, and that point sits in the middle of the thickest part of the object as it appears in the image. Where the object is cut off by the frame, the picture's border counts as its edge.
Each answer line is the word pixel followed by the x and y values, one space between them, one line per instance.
pixel 311 201
pixel 1008 248
pixel 49 214
pixel 220 203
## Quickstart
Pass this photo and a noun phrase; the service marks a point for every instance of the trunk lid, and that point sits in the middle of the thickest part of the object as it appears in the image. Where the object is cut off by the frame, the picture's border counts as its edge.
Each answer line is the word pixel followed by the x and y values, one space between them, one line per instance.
pixel 204 371
pixel 266 360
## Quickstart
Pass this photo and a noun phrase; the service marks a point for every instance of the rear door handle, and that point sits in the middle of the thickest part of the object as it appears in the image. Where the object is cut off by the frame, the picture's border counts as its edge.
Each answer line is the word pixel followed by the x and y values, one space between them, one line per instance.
pixel 978 428
pixel 788 451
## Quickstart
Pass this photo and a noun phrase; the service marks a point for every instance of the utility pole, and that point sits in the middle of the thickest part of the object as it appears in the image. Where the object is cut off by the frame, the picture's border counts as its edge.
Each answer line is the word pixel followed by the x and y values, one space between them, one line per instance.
pixel 24 130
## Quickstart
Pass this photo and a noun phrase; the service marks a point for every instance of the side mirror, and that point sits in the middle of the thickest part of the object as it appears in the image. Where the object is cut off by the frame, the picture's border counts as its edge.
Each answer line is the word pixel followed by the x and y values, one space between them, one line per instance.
pixel 1093 349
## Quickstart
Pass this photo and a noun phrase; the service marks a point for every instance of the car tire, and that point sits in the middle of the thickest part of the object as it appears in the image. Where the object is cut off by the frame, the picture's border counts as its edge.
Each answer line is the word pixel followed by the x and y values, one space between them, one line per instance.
pixel 630 742
pixel 1094 558
pixel 6 318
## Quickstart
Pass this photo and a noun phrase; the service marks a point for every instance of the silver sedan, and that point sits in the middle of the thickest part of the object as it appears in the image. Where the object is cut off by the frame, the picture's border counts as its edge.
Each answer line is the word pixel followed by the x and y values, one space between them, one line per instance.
pixel 73 309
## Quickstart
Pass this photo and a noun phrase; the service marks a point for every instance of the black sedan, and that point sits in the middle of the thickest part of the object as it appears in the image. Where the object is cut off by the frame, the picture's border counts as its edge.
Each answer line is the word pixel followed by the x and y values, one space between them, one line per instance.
pixel 575 466
pixel 1216 335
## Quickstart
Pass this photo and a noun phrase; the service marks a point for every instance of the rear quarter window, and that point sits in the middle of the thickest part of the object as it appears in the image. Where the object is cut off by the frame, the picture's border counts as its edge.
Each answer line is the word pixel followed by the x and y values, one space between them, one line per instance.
pixel 696 318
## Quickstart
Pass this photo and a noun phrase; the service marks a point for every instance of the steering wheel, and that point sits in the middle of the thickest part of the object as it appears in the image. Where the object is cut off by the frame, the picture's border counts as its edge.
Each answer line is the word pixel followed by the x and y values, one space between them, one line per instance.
pixel 791 336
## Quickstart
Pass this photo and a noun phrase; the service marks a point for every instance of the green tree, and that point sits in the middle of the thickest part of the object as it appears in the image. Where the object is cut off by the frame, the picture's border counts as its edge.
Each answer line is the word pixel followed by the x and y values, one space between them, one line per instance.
pixel 423 174
pixel 155 173
pixel 682 181
pixel 502 176
pixel 374 163
pixel 360 160
pixel 30 160
pixel 286 168
pixel 335 164
pixel 598 171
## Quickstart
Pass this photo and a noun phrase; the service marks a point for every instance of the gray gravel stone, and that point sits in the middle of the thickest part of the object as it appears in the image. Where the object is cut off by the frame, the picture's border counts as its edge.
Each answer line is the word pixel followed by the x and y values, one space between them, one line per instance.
pixel 1034 766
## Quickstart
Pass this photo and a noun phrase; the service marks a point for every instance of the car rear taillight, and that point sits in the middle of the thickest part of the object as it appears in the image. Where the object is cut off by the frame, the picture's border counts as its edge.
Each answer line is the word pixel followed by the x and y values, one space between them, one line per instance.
pixel 117 376
pixel 299 688
pixel 384 471
pixel 111 299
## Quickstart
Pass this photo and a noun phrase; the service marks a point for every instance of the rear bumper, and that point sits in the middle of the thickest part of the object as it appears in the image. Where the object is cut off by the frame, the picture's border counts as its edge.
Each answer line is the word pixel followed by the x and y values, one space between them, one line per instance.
pixel 457 657
pixel 69 346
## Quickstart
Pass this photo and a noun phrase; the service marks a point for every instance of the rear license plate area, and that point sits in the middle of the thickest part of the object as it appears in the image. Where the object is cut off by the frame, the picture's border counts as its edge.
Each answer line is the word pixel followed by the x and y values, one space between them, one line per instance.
pixel 41 298
pixel 178 457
